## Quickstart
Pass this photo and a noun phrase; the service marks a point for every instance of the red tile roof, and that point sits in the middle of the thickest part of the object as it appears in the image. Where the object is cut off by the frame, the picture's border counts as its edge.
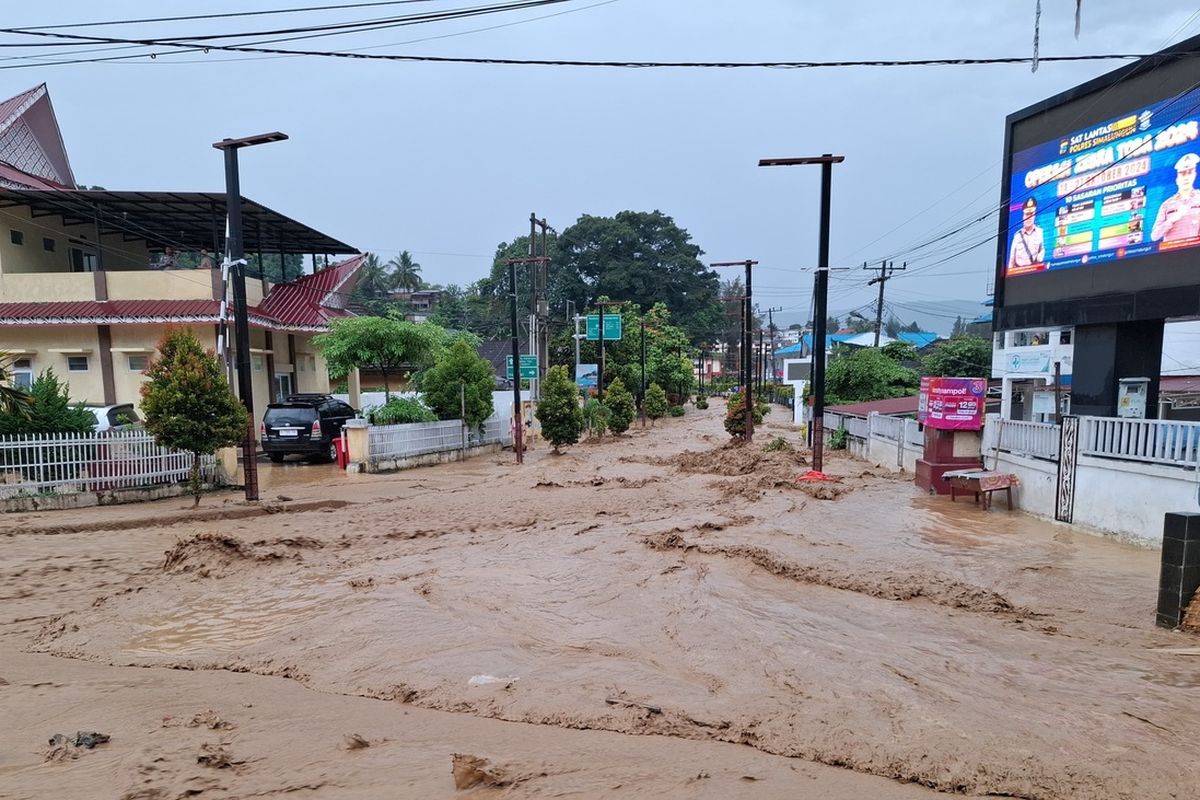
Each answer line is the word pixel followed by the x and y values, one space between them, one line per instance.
pixel 315 299
pixel 893 407
pixel 1179 384
pixel 10 174
pixel 98 311
pixel 13 104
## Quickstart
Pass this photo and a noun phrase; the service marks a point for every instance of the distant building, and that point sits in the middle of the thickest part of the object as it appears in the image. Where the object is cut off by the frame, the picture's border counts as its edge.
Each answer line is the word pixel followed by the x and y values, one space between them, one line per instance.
pixel 421 303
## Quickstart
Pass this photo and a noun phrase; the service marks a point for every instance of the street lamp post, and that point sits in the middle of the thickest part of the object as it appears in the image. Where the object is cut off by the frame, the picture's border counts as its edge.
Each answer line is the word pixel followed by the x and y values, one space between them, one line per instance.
pixel 236 260
pixel 822 299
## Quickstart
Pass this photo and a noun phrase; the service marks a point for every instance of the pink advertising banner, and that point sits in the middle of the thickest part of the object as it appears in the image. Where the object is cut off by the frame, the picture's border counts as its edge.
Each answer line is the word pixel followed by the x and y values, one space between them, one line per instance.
pixel 952 403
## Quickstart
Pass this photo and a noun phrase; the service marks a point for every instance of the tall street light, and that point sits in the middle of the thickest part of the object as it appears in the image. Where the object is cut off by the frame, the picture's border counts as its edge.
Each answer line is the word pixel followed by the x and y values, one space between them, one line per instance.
pixel 822 299
pixel 237 264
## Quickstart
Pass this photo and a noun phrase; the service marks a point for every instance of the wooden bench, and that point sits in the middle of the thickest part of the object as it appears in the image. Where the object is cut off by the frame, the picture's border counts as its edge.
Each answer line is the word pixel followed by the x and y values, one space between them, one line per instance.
pixel 980 483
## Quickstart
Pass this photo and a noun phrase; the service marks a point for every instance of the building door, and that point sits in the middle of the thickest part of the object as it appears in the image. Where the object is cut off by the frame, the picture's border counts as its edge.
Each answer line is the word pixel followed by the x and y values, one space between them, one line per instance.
pixel 283 385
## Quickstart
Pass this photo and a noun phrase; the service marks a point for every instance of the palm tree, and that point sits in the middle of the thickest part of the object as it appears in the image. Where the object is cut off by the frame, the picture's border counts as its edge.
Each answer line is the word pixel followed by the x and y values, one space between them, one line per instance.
pixel 13 399
pixel 373 278
pixel 406 273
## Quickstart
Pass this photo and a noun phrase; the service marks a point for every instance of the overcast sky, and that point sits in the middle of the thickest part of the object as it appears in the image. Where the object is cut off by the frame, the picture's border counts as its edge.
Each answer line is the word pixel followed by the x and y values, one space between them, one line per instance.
pixel 448 160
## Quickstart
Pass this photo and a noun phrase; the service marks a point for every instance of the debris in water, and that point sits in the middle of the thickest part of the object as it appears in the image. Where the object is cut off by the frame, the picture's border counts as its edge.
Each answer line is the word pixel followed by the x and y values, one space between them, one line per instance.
pixel 63 748
pixel 617 701
pixel 354 741
pixel 484 680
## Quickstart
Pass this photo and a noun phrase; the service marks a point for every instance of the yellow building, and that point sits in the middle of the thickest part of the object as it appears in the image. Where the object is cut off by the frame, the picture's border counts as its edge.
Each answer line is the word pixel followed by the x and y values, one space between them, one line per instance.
pixel 88 283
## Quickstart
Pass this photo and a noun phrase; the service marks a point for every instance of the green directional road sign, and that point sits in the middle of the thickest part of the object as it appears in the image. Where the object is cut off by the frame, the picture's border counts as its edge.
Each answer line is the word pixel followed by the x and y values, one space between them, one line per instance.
pixel 612 327
pixel 529 367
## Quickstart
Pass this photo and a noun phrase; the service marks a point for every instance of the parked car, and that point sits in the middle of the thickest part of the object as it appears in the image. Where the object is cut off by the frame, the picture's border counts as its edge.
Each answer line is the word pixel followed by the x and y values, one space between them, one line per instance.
pixel 115 418
pixel 304 424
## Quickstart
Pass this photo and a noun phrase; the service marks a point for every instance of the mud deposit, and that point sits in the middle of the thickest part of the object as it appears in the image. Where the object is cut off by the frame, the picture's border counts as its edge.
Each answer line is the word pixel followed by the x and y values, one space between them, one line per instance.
pixel 484 630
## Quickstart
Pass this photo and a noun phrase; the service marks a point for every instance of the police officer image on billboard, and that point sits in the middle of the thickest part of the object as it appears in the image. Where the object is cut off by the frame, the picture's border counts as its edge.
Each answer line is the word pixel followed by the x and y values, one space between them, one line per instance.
pixel 1179 216
pixel 1028 247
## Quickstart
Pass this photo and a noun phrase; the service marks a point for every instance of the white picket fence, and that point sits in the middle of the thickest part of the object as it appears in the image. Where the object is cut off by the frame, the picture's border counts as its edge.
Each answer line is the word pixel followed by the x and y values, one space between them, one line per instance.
pixel 398 442
pixel 68 463
pixel 1033 439
pixel 1154 441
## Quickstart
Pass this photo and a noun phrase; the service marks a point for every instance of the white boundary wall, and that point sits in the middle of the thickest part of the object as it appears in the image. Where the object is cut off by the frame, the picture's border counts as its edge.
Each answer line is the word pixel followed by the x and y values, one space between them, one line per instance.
pixel 884 441
pixel 1123 498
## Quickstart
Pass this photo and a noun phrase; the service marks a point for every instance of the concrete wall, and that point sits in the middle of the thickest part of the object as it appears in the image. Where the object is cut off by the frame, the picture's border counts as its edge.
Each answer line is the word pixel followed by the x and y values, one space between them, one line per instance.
pixel 36 344
pixel 32 256
pixel 1125 499
pixel 882 452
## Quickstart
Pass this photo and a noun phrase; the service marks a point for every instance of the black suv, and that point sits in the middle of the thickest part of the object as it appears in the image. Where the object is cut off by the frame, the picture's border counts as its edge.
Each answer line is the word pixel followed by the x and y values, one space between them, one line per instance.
pixel 304 424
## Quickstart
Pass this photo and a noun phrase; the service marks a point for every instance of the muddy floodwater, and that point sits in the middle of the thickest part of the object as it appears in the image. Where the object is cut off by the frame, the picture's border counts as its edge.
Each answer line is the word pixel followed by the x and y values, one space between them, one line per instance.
pixel 653 615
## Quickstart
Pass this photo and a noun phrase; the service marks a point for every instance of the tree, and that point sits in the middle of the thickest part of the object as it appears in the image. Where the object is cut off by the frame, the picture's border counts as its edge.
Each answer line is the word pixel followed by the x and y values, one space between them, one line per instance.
pixel 460 385
pixel 596 417
pixel 962 356
pixel 405 273
pixel 735 415
pixel 865 374
pixel 47 408
pixel 899 351
pixel 558 411
pixel 655 404
pixel 620 403
pixel 374 282
pixel 13 399
pixel 387 344
pixel 833 325
pixel 188 404
pixel 959 328
pixel 644 257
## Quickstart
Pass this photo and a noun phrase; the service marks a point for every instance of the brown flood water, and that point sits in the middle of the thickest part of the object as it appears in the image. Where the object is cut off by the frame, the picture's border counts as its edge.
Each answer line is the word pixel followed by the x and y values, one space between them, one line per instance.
pixel 609 622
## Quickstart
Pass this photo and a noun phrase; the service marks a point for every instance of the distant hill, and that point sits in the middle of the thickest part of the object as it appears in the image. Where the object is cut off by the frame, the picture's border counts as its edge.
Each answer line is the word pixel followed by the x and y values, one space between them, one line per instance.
pixel 932 315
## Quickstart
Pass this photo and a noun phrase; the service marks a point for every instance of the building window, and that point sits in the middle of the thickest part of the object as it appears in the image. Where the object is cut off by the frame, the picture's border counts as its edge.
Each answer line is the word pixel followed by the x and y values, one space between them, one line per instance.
pixel 82 260
pixel 1064 337
pixel 48 244
pixel 77 363
pixel 138 363
pixel 258 363
pixel 1000 340
pixel 17 237
pixel 22 373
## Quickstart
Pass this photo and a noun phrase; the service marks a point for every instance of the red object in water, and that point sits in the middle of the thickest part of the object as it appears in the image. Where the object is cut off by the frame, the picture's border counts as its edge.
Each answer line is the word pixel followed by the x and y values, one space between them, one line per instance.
pixel 343 456
pixel 813 475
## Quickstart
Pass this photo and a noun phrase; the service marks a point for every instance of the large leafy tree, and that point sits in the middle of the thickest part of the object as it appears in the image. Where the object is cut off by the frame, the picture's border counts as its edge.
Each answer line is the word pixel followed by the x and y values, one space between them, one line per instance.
pixel 646 258
pixel 867 373
pixel 187 402
pixel 389 345
pixel 374 281
pixel 558 411
pixel 459 384
pixel 962 356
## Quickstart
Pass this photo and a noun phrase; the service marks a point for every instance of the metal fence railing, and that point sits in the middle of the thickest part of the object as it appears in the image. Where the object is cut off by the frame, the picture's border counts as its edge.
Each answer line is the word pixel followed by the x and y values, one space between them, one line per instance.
pixel 395 442
pixel 91 462
pixel 1034 439
pixel 1150 440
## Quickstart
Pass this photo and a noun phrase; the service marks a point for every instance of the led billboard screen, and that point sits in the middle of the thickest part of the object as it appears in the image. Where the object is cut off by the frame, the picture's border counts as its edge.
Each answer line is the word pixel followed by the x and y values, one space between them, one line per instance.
pixel 1100 214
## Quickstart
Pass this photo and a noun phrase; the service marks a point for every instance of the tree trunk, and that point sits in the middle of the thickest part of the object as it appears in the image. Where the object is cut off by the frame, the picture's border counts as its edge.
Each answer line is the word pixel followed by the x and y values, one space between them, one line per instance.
pixel 387 388
pixel 195 480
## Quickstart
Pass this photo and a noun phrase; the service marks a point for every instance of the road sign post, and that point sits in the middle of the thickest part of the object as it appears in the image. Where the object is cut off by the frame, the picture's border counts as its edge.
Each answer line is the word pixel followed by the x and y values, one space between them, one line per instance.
pixel 612 327
pixel 529 368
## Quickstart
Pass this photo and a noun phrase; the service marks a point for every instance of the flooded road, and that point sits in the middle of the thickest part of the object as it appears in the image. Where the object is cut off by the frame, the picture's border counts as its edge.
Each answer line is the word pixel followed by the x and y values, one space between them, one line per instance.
pixel 656 584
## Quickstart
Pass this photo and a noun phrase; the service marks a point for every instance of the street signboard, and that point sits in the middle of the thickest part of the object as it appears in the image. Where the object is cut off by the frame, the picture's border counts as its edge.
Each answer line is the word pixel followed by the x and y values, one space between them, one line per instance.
pixel 612 327
pixel 586 376
pixel 952 403
pixel 529 368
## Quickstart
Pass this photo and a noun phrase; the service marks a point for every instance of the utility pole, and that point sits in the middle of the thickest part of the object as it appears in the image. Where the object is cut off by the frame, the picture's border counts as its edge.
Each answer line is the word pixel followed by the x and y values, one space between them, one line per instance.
pixel 822 299
pixel 539 316
pixel 771 333
pixel 747 344
pixel 642 393
pixel 518 412
pixel 886 270
pixel 236 258
pixel 602 304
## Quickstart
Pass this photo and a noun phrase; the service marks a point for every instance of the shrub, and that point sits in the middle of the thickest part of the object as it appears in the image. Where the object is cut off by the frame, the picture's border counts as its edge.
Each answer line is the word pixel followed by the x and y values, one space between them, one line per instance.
pixel 597 416
pixel 559 411
pixel 676 411
pixel 701 403
pixel 735 415
pixel 619 402
pixel 188 403
pixel 837 439
pixel 655 404
pixel 777 444
pixel 48 410
pixel 399 411
pixel 459 378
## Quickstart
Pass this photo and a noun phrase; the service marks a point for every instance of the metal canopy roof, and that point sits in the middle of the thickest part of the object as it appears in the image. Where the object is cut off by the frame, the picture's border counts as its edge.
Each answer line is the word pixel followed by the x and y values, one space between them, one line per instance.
pixel 186 221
